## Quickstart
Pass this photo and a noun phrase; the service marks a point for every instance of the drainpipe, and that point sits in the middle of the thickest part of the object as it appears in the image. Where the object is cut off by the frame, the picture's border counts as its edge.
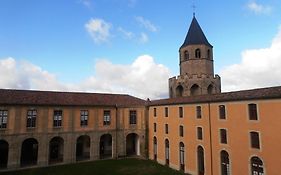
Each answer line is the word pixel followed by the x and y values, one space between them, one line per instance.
pixel 210 132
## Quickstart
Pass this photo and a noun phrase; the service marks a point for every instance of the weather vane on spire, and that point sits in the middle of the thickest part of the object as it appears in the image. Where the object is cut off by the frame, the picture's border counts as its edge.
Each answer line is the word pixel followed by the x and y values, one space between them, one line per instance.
pixel 193 7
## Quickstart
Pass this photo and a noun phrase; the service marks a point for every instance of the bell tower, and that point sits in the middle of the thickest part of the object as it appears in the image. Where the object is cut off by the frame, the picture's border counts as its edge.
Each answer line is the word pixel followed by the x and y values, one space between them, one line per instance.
pixel 196 66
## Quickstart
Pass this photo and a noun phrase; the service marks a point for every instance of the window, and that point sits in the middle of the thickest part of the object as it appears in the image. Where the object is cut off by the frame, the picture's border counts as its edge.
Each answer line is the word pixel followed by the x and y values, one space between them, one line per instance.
pixel 181 131
pixel 200 160
pixel 3 118
pixel 253 115
pixel 155 147
pixel 166 129
pixel 223 135
pixel 222 112
pixel 133 117
pixel 167 152
pixel 57 118
pixel 154 112
pixel 186 55
pixel 154 127
pixel 198 112
pixel 256 166
pixel 84 114
pixel 225 169
pixel 180 112
pixel 197 53
pixel 106 117
pixel 31 118
pixel 255 141
pixel 166 112
pixel 181 156
pixel 209 54
pixel 199 133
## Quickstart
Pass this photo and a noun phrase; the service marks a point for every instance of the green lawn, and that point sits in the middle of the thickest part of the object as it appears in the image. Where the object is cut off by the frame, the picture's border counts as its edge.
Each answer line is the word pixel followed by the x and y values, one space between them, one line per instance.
pixel 102 167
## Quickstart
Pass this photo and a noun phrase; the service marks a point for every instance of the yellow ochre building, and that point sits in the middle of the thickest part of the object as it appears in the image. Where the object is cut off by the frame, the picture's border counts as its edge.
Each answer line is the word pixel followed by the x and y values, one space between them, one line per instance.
pixel 197 130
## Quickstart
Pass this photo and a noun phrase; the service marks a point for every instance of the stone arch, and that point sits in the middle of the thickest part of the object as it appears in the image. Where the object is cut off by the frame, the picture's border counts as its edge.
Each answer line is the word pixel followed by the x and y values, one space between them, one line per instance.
pixel 210 89
pixel 195 90
pixel 186 55
pixel 132 144
pixel 4 152
pixel 29 152
pixel 198 53
pixel 200 160
pixel 179 91
pixel 83 145
pixel 56 150
pixel 106 146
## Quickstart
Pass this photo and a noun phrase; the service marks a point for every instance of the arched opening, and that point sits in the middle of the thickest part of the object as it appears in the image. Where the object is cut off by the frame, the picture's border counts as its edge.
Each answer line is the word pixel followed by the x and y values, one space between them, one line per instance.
pixel 83 145
pixel 132 144
pixel 210 89
pixel 200 160
pixel 186 55
pixel 225 169
pixel 155 148
pixel 179 91
pixel 181 148
pixel 209 54
pixel 197 53
pixel 56 148
pixel 167 152
pixel 194 90
pixel 29 152
pixel 256 166
pixel 4 151
pixel 105 146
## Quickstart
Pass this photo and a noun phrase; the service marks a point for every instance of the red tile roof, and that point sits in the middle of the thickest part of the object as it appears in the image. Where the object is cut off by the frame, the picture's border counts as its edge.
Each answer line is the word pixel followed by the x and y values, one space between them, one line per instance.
pixel 28 97
pixel 254 94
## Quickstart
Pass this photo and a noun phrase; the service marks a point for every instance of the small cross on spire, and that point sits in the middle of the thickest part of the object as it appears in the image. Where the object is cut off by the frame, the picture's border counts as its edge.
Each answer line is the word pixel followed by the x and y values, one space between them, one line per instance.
pixel 193 7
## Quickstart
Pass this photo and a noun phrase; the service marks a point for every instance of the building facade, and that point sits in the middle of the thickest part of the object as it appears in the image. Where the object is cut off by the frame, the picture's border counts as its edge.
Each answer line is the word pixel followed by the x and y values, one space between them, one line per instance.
pixel 198 130
pixel 45 128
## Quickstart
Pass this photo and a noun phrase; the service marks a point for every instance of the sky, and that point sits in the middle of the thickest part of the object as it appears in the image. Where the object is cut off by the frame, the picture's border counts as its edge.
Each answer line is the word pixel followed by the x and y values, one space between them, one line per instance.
pixel 131 46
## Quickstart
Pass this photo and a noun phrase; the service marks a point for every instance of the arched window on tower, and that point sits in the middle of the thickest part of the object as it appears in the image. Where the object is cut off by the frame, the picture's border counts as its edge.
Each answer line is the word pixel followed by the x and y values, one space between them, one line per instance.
pixel 186 55
pixel 209 54
pixel 194 90
pixel 197 53
pixel 179 91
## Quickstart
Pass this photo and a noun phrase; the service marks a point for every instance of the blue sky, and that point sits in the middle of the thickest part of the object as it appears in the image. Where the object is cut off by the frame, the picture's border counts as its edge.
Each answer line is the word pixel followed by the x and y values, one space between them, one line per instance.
pixel 66 40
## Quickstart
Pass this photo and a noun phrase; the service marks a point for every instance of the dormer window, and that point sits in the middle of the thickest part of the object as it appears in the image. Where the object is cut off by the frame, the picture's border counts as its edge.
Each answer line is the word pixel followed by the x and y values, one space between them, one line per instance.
pixel 186 55
pixel 197 53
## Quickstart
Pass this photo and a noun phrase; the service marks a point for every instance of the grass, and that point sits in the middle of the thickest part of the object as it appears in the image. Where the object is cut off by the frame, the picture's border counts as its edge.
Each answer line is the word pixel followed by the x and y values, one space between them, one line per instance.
pixel 102 167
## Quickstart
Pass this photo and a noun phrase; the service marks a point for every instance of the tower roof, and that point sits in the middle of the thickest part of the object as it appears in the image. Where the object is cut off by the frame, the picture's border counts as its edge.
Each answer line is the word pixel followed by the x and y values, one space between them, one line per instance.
pixel 195 35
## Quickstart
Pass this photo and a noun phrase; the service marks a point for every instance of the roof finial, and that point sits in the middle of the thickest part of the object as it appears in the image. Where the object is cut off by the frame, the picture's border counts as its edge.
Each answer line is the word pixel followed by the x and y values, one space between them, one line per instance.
pixel 193 7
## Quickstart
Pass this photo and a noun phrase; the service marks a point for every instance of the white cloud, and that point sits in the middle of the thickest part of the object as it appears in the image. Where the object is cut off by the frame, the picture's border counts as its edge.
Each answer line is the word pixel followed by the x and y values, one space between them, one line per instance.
pixel 146 24
pixel 258 68
pixel 24 75
pixel 259 8
pixel 143 78
pixel 127 34
pixel 143 38
pixel 98 29
pixel 86 3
